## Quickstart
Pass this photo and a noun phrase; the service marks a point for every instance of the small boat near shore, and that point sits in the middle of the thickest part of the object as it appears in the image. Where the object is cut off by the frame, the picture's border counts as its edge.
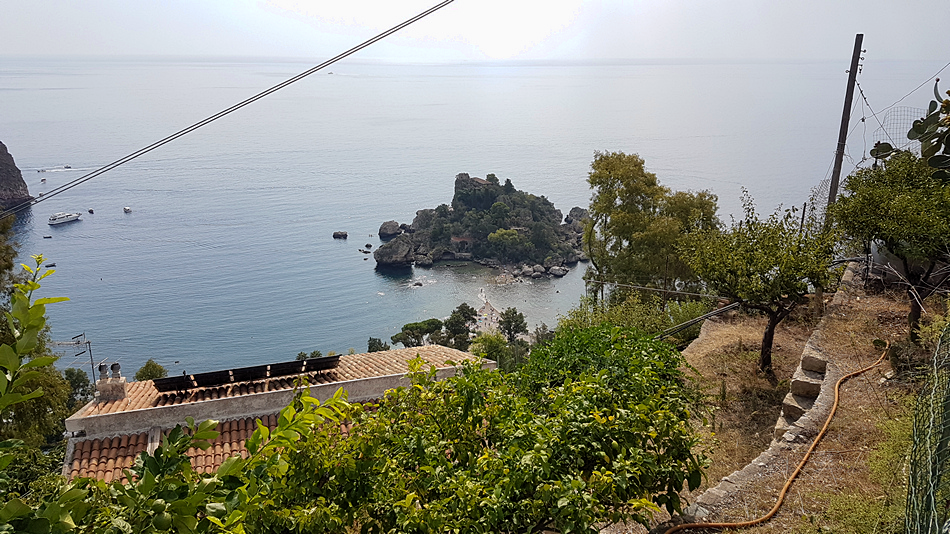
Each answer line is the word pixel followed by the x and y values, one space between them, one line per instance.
pixel 62 217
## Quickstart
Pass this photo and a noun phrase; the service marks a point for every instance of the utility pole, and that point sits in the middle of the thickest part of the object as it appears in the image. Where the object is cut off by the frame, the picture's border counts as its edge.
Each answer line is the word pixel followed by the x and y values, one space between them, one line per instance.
pixel 845 117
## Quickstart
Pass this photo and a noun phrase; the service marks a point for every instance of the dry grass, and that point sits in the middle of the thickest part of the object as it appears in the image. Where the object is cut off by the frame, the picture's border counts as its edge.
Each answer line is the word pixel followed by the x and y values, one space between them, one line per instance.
pixel 839 490
pixel 839 478
pixel 743 403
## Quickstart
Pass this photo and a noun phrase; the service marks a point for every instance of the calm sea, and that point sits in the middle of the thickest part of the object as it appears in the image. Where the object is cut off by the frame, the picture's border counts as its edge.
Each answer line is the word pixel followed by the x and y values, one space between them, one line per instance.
pixel 227 258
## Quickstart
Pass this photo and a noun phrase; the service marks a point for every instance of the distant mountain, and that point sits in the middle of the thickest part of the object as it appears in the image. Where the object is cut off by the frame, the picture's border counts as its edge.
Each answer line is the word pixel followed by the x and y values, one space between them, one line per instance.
pixel 13 189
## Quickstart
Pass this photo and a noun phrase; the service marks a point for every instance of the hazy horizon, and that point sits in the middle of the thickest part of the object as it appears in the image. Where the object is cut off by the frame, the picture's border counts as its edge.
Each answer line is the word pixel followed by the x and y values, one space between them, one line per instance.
pixel 487 30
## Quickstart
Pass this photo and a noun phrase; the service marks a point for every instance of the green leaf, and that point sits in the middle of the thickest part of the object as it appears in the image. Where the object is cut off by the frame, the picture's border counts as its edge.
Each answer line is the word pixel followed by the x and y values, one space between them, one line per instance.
pixel 27 342
pixel 939 161
pixel 42 361
pixel 881 150
pixel 216 509
pixel 231 466
pixel 122 525
pixel 49 300
pixel 13 510
pixel 8 358
pixel 71 495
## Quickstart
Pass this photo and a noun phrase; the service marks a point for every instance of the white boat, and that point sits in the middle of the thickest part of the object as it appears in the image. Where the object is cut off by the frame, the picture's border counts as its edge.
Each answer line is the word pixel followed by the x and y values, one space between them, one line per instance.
pixel 61 217
pixel 127 209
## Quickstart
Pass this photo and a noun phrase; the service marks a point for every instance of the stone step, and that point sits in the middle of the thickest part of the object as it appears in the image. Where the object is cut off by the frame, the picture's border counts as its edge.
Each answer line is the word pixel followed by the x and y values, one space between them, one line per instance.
pixel 806 383
pixel 782 426
pixel 814 361
pixel 795 406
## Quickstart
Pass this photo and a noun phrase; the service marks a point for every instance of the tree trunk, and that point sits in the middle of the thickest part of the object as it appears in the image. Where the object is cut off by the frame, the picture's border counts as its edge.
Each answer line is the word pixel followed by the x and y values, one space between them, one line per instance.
pixel 818 302
pixel 913 318
pixel 765 355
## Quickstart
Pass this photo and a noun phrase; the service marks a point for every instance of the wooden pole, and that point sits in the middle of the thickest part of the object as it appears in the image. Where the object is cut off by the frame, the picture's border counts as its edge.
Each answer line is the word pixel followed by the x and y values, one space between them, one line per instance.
pixel 845 117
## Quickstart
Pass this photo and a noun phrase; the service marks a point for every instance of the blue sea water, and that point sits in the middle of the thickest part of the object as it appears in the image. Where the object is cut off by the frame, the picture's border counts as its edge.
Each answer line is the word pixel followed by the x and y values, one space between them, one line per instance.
pixel 227 258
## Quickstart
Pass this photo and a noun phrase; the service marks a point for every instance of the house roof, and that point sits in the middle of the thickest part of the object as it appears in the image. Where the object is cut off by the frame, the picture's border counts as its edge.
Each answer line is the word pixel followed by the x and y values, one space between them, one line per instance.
pixel 120 430
pixel 143 394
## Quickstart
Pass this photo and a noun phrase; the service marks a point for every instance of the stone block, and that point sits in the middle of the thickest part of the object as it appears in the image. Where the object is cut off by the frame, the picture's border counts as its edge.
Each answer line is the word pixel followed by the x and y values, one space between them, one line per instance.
pixel 806 383
pixel 795 406
pixel 781 427
pixel 813 361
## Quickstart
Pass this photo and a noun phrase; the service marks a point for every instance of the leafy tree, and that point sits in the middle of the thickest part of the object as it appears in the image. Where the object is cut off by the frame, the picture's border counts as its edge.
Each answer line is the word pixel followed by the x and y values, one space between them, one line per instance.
pixel 767 265
pixel 376 345
pixel 24 368
pixel 542 334
pixel 150 370
pixel 636 223
pixel 511 323
pixel 595 429
pixel 458 327
pixel 415 334
pixel 900 207
pixel 313 354
pixel 491 346
pixel 646 313
pixel 39 421
pixel 81 389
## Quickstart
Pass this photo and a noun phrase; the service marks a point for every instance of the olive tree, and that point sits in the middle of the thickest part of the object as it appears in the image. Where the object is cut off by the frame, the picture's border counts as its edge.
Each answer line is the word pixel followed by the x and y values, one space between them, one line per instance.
pixel 765 264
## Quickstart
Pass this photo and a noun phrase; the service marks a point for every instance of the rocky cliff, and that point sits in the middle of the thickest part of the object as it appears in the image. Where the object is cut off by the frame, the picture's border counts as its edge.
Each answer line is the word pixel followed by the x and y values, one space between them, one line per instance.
pixel 13 189
pixel 488 222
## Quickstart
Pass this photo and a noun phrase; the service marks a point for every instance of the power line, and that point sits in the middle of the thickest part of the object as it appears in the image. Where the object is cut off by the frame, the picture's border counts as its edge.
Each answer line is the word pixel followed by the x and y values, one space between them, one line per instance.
pixel 873 114
pixel 603 282
pixel 899 100
pixel 82 179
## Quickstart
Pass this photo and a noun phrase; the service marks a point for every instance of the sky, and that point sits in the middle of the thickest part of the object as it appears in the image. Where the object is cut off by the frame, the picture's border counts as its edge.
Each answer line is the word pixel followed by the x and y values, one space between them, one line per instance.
pixel 479 30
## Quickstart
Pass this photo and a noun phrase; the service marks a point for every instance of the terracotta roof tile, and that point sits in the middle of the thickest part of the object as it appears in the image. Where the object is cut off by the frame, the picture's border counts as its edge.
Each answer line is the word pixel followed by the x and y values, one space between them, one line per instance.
pixel 351 367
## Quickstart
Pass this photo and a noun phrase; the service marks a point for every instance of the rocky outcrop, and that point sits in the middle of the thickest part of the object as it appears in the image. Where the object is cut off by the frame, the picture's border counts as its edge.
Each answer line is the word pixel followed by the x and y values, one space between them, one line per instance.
pixel 400 252
pixel 389 229
pixel 529 229
pixel 13 189
pixel 340 235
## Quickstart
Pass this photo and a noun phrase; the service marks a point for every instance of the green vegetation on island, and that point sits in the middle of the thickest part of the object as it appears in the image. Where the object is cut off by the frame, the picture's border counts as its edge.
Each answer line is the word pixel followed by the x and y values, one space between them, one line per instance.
pixel 488 222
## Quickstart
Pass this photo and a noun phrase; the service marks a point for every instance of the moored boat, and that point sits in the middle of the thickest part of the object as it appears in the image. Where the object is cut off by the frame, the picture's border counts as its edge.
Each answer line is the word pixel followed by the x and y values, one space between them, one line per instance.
pixel 62 217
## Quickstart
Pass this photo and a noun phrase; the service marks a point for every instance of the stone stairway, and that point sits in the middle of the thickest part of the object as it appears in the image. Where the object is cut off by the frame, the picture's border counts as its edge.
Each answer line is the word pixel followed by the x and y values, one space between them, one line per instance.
pixel 803 390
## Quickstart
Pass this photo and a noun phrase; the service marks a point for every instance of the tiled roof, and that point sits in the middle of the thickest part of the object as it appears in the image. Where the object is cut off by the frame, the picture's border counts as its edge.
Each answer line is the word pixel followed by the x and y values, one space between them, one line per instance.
pixel 352 367
pixel 108 458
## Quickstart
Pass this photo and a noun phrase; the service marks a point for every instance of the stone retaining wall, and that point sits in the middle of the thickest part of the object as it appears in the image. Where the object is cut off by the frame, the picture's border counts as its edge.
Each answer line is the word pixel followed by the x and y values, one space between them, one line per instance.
pixel 804 411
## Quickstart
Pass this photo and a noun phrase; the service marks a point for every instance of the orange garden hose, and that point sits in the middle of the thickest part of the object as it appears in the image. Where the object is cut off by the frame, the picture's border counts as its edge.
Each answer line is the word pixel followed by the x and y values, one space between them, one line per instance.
pixel 788 483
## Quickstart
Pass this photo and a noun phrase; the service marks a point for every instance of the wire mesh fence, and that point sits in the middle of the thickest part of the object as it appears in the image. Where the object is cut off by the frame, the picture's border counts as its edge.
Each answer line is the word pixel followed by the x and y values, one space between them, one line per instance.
pixel 895 124
pixel 928 488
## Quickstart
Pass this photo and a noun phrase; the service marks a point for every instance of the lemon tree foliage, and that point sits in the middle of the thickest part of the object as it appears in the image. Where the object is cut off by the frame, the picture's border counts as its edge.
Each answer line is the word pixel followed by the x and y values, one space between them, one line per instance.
pixel 594 428
pixel 903 209
pixel 636 224
pixel 766 264
pixel 20 372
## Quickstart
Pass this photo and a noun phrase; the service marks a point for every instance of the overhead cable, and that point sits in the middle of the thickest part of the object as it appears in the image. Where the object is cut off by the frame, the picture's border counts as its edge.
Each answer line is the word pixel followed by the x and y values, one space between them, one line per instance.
pixel 82 179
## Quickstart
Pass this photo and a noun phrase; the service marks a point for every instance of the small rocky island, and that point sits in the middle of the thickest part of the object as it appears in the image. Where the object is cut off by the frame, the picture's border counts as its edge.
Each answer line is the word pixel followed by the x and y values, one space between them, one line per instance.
pixel 13 189
pixel 490 223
